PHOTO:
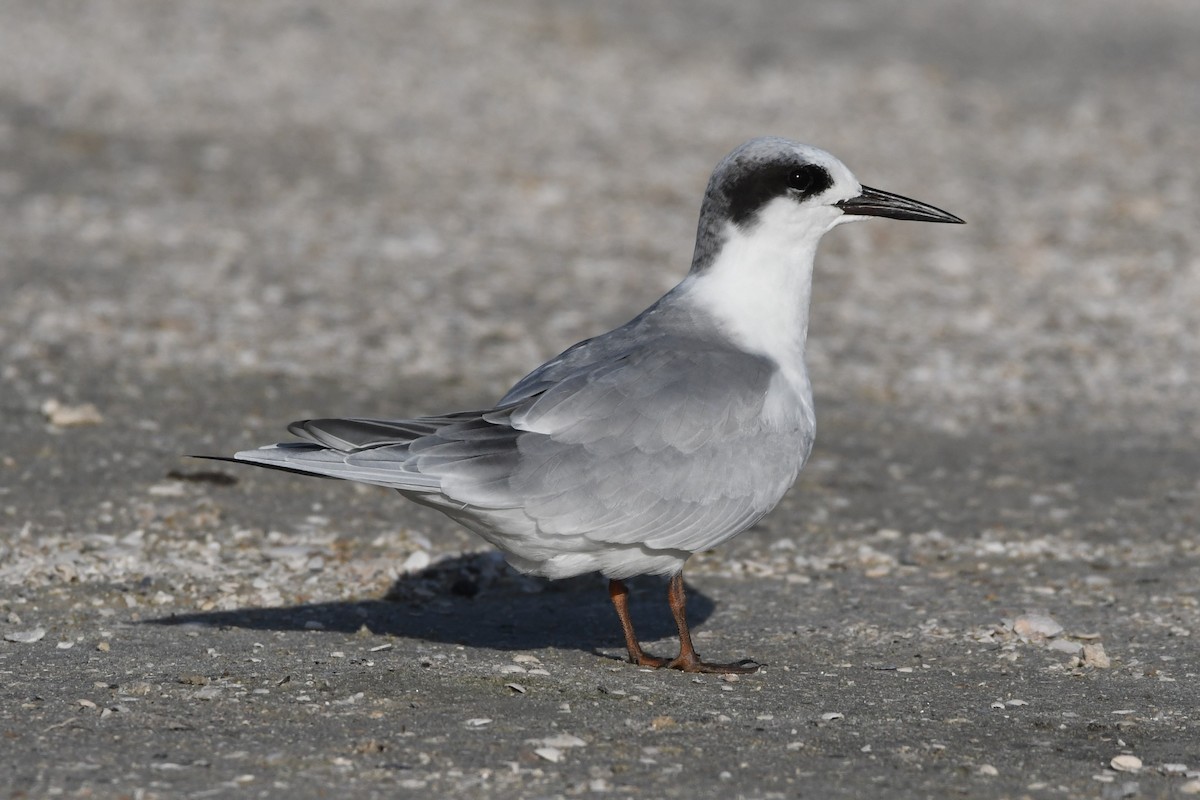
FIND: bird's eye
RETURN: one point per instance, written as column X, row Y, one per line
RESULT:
column 802, row 178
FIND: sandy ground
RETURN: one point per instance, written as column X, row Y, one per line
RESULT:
column 219, row 217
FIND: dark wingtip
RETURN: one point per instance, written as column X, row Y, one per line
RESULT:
column 276, row 467
column 301, row 428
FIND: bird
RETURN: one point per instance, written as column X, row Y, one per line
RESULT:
column 631, row 451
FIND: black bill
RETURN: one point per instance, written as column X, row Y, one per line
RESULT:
column 877, row 203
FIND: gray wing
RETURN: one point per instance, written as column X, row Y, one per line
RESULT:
column 664, row 445
column 661, row 321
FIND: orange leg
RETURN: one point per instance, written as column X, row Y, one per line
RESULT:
column 619, row 593
column 687, row 660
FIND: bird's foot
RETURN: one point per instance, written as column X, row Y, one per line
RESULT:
column 644, row 660
column 692, row 663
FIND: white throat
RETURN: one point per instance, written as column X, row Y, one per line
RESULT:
column 757, row 290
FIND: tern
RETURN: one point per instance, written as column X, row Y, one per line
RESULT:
column 631, row 451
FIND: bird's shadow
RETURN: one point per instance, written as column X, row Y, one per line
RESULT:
column 476, row 600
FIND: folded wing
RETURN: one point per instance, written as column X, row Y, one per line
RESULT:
column 636, row 448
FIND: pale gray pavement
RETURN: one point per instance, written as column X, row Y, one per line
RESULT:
column 219, row 217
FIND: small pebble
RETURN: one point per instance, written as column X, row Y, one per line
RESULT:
column 516, row 687
column 1094, row 656
column 478, row 722
column 828, row 716
column 1191, row 787
column 1066, row 646
column 988, row 770
column 195, row 680
column 1126, row 763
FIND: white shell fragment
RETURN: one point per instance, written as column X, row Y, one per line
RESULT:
column 416, row 562
column 1036, row 626
column 61, row 415
column 562, row 740
column 26, row 637
column 1126, row 763
column 551, row 754
column 525, row 658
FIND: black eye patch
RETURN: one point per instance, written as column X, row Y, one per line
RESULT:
column 804, row 178
column 758, row 186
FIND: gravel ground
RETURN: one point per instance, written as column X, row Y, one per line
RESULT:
column 219, row 217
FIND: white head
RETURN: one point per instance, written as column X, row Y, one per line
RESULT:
column 766, row 207
column 800, row 190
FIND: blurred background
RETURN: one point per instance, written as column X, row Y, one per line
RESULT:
column 388, row 194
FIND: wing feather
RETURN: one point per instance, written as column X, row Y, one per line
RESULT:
column 663, row 445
